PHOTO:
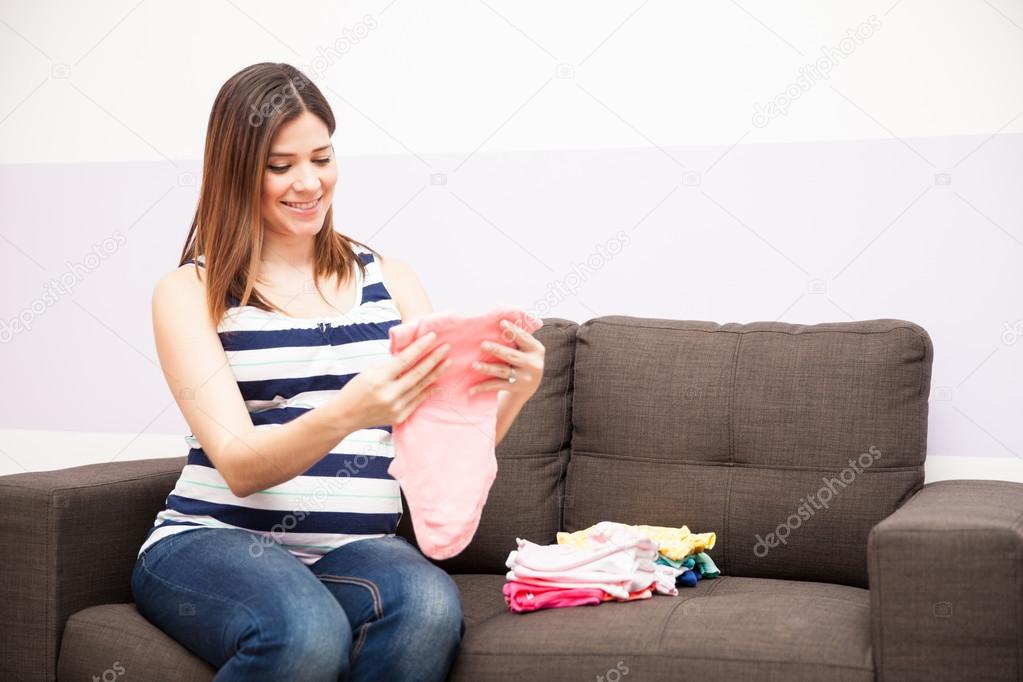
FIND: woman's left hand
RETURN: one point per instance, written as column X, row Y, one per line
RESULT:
column 526, row 359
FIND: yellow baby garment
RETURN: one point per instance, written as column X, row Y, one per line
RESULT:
column 673, row 543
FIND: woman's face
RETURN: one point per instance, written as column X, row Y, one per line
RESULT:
column 299, row 178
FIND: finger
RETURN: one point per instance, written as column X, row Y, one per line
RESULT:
column 518, row 335
column 425, row 382
column 408, row 355
column 492, row 385
column 492, row 368
column 423, row 367
column 411, row 407
column 511, row 355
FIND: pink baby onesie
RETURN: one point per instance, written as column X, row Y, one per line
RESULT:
column 444, row 451
column 521, row 597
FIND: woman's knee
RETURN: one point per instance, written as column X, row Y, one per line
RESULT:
column 308, row 636
column 430, row 601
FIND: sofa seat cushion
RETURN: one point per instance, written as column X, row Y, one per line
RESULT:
column 98, row 638
column 729, row 628
column 115, row 642
column 722, row 629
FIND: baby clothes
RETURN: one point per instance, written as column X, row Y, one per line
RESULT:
column 699, row 562
column 615, row 589
column 633, row 596
column 680, row 559
column 706, row 566
column 673, row 543
column 614, row 556
column 687, row 578
column 678, row 543
column 688, row 562
column 522, row 597
column 626, row 563
column 444, row 451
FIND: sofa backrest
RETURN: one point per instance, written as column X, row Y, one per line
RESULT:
column 789, row 441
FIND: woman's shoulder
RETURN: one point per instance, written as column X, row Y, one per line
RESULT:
column 405, row 287
column 188, row 272
column 184, row 284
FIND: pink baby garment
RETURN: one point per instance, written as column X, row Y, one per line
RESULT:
column 444, row 451
column 521, row 597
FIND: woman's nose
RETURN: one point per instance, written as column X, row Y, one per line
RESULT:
column 307, row 180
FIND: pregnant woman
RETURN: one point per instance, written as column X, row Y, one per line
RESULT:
column 276, row 556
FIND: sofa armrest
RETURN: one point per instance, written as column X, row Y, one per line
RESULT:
column 946, row 584
column 68, row 540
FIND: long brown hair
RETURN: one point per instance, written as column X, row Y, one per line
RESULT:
column 227, row 229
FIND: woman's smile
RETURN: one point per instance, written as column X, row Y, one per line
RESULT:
column 307, row 208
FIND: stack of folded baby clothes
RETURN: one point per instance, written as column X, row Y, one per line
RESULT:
column 684, row 551
column 614, row 562
column 606, row 562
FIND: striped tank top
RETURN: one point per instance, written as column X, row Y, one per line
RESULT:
column 286, row 366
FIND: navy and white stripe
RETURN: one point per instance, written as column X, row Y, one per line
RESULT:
column 286, row 366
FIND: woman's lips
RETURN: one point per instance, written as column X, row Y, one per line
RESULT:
column 303, row 211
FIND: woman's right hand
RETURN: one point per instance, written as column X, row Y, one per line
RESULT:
column 388, row 392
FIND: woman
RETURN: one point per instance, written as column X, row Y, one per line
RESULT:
column 276, row 556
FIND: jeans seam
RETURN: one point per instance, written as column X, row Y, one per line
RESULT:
column 360, row 641
column 378, row 605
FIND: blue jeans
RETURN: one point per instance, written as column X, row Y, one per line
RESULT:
column 374, row 609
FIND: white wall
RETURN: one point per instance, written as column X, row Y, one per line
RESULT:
column 446, row 77
column 500, row 144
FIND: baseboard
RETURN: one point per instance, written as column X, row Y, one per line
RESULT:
column 23, row 450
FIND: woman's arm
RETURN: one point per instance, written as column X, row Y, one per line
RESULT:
column 405, row 288
column 508, row 407
column 197, row 371
column 526, row 359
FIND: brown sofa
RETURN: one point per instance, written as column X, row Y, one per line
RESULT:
column 737, row 428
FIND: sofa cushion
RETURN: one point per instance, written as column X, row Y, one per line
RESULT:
column 115, row 642
column 525, row 499
column 726, row 628
column 723, row 629
column 790, row 441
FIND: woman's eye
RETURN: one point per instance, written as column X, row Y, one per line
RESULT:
column 281, row 169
